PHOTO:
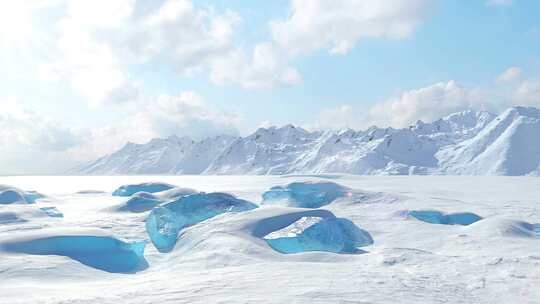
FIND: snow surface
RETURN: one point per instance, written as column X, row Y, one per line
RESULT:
column 226, row 258
column 464, row 143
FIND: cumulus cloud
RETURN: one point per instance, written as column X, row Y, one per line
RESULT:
column 97, row 44
column 35, row 144
column 510, row 75
column 339, row 25
column 266, row 68
column 527, row 93
column 426, row 104
column 186, row 114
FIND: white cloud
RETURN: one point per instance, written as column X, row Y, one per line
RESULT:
column 35, row 144
column 426, row 104
column 510, row 75
column 340, row 24
column 32, row 143
column 527, row 93
column 499, row 2
column 186, row 114
column 267, row 68
column 98, row 43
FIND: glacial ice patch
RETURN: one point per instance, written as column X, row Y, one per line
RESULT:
column 101, row 252
column 337, row 235
column 140, row 202
column 305, row 194
column 145, row 201
column 164, row 223
column 52, row 211
column 129, row 190
column 437, row 217
column 10, row 195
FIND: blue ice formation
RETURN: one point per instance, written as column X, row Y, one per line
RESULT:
column 305, row 194
column 536, row 228
column 165, row 223
column 336, row 235
column 144, row 201
column 129, row 190
column 52, row 211
column 436, row 217
column 10, row 195
column 175, row 193
column 140, row 202
column 10, row 217
column 100, row 252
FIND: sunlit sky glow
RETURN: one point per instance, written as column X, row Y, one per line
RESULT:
column 81, row 78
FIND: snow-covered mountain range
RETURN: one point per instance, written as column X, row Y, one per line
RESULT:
column 464, row 143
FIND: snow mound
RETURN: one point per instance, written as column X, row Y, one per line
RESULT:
column 506, row 227
column 175, row 193
column 98, row 251
column 305, row 194
column 336, row 235
column 129, row 190
column 140, row 202
column 437, row 217
column 144, row 201
column 22, row 213
column 164, row 223
column 10, row 195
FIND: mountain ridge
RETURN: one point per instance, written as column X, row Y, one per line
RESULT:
column 462, row 143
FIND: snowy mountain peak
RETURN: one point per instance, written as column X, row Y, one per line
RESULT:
column 466, row 142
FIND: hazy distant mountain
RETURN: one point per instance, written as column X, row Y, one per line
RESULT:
column 469, row 142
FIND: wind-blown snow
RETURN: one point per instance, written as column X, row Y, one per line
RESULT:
column 467, row 143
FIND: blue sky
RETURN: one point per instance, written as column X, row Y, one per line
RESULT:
column 83, row 77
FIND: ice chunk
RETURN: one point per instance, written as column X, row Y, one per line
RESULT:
column 129, row 190
column 164, row 223
column 10, row 195
column 144, row 201
column 52, row 211
column 10, row 217
column 140, row 202
column 436, row 217
column 305, row 194
column 101, row 252
column 175, row 193
column 336, row 235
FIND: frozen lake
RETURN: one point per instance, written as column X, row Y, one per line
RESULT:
column 414, row 258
